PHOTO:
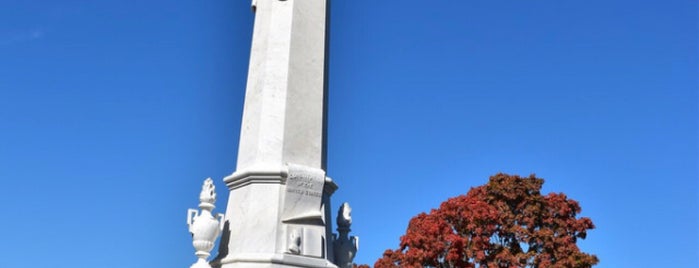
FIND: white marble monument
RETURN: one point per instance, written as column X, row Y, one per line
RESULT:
column 278, row 212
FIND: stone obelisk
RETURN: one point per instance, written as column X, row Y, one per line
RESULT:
column 278, row 212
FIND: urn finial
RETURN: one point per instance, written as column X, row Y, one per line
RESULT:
column 344, row 216
column 345, row 246
column 203, row 226
column 207, row 197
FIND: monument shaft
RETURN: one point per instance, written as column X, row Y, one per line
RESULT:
column 285, row 96
column 278, row 208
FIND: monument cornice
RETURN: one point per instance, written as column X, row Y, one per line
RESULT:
column 267, row 174
column 240, row 178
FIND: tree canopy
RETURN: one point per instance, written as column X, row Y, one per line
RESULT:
column 504, row 223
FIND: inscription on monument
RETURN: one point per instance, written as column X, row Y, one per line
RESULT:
column 304, row 193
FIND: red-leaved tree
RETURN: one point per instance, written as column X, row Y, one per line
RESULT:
column 504, row 223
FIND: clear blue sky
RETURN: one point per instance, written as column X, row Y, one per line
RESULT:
column 113, row 112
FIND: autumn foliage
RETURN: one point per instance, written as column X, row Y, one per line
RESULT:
column 504, row 223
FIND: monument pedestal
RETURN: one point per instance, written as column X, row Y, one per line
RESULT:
column 287, row 223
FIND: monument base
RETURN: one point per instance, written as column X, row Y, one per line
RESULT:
column 271, row 261
column 277, row 217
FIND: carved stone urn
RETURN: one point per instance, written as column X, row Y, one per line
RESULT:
column 345, row 246
column 203, row 226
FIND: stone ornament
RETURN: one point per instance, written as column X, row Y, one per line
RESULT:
column 345, row 247
column 203, row 226
column 295, row 242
